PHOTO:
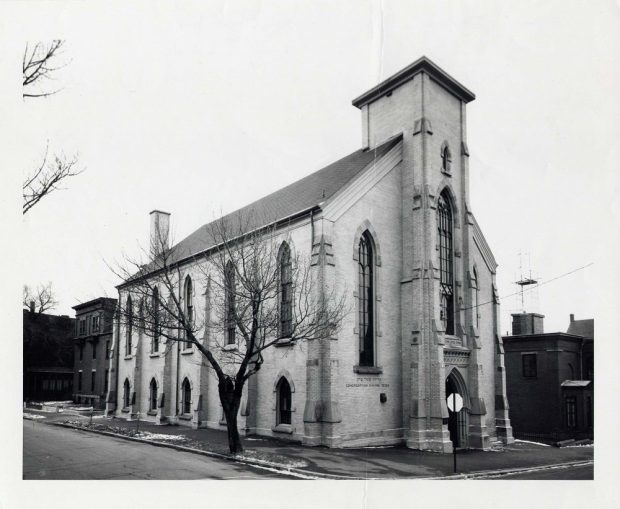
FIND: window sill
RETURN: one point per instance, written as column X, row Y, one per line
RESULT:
column 128, row 357
column 189, row 351
column 185, row 417
column 283, row 342
column 152, row 412
column 154, row 354
column 283, row 428
column 125, row 410
column 229, row 348
column 368, row 370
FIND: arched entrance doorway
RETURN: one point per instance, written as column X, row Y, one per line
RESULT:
column 457, row 421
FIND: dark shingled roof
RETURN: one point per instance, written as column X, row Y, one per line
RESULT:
column 583, row 328
column 298, row 197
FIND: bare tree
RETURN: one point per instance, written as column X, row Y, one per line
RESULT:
column 39, row 65
column 41, row 298
column 256, row 296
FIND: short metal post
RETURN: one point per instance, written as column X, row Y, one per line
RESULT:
column 138, row 423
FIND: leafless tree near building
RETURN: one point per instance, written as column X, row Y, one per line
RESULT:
column 39, row 299
column 247, row 308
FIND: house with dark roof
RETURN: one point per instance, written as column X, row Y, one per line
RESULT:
column 550, row 379
column 391, row 227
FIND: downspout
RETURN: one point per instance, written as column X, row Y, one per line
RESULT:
column 176, row 396
column 117, row 349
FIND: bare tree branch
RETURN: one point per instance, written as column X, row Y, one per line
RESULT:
column 42, row 298
column 46, row 178
column 39, row 64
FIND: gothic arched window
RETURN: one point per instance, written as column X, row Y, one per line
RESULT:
column 126, row 394
column 188, row 295
column 186, row 396
column 155, row 317
column 283, row 410
column 446, row 263
column 229, row 287
column 286, row 291
column 153, row 395
column 366, row 298
column 129, row 326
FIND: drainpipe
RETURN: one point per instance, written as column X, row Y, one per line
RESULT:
column 176, row 396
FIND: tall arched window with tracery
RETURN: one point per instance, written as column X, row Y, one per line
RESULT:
column 286, row 291
column 188, row 295
column 229, row 296
column 128, row 325
column 446, row 263
column 155, row 309
column 366, row 300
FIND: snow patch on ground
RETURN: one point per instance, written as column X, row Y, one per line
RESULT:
column 146, row 435
column 33, row 417
column 529, row 442
column 271, row 460
column 578, row 445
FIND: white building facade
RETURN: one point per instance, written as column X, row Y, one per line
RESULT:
column 391, row 227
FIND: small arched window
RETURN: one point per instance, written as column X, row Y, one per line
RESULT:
column 153, row 395
column 229, row 291
column 446, row 263
column 286, row 291
column 446, row 158
column 366, row 300
column 186, row 396
column 283, row 409
column 188, row 295
column 126, row 394
column 156, row 320
column 129, row 326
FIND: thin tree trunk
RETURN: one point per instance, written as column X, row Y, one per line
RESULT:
column 231, row 401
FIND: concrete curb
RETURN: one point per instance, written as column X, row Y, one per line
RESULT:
column 309, row 474
column 297, row 472
column 490, row 474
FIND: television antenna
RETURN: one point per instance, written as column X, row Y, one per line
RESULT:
column 524, row 280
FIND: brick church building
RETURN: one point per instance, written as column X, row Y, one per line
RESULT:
column 391, row 225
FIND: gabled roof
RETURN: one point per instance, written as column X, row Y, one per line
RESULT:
column 422, row 64
column 295, row 199
column 583, row 328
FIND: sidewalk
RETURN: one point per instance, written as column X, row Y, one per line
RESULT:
column 360, row 463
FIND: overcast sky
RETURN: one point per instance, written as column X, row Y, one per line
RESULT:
column 200, row 109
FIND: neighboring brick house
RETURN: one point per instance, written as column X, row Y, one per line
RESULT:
column 47, row 359
column 92, row 350
column 550, row 379
column 391, row 222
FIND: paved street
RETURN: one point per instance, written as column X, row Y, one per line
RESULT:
column 59, row 453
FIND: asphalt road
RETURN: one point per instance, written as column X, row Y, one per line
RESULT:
column 59, row 453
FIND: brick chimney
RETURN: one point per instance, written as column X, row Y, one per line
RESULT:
column 527, row 323
column 160, row 230
column 32, row 306
column 572, row 318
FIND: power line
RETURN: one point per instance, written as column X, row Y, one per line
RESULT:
column 533, row 287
